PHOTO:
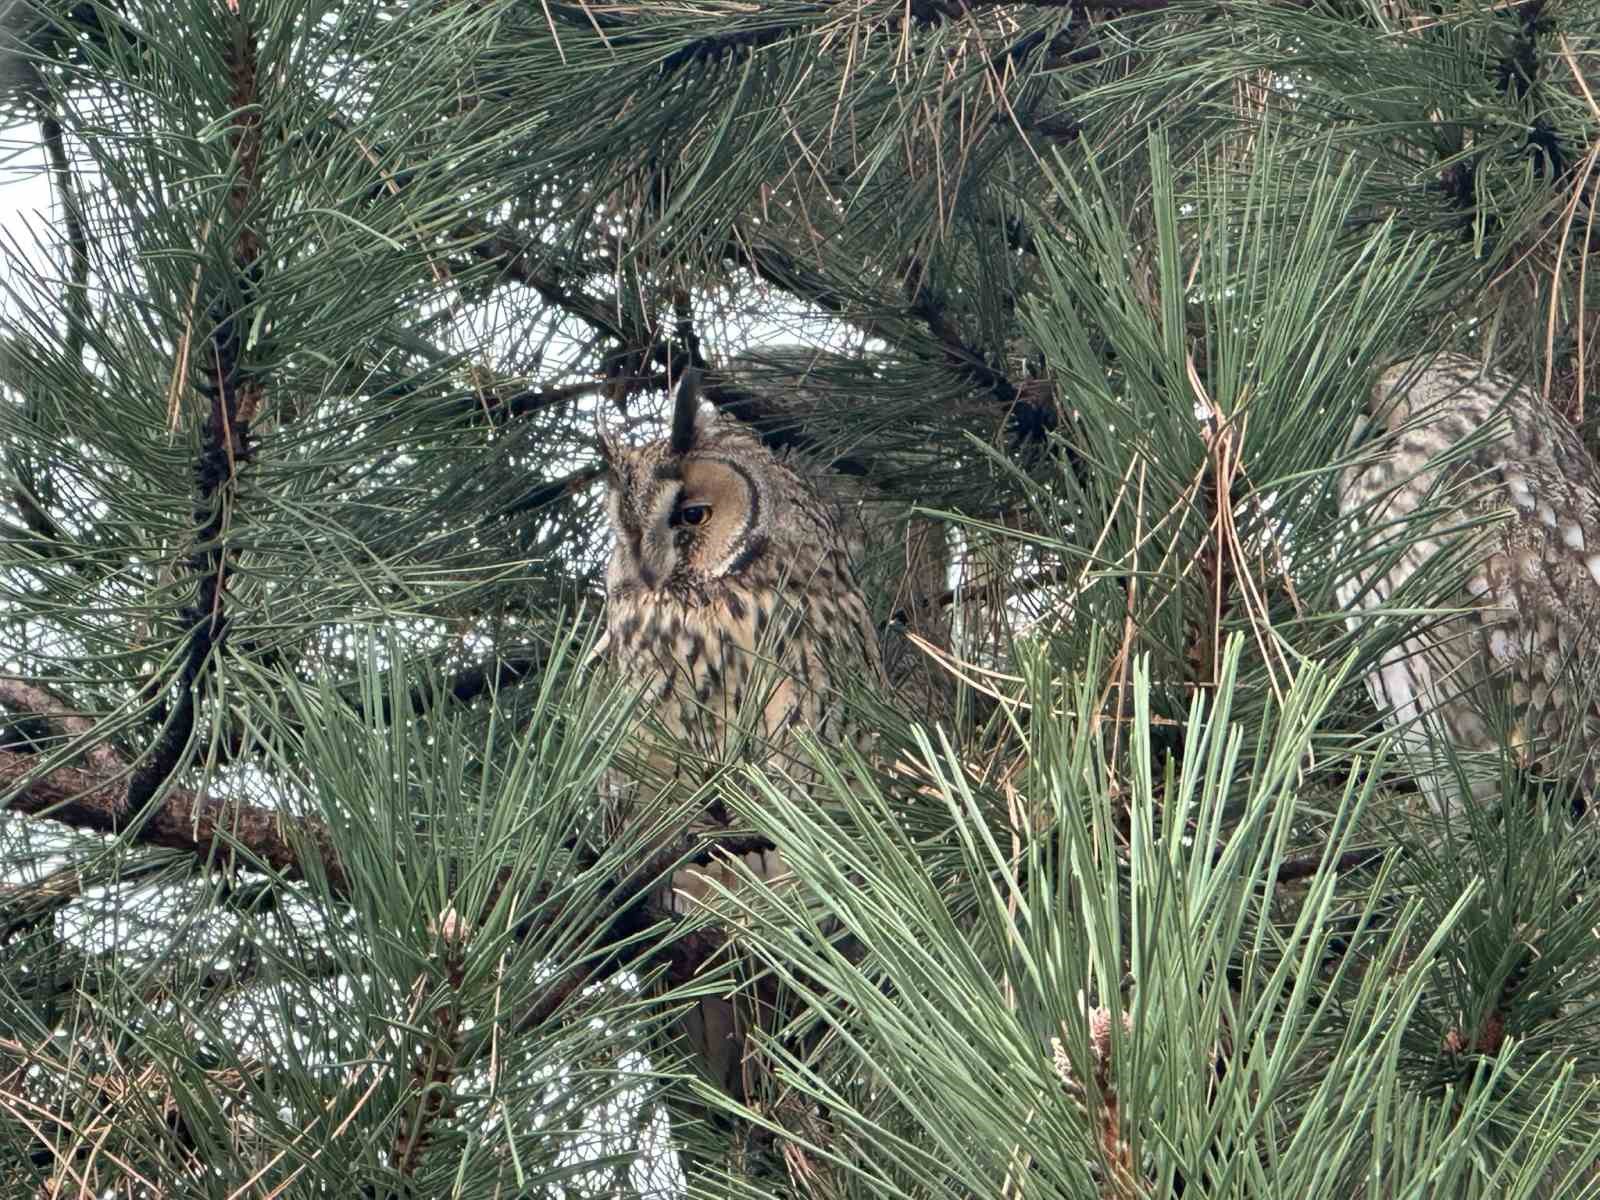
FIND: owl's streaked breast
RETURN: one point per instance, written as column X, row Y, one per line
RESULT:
column 740, row 667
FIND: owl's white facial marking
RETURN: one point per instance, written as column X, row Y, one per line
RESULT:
column 658, row 548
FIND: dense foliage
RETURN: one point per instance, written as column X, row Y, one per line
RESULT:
column 1074, row 303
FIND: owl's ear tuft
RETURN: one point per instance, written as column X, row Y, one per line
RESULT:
column 685, row 411
column 609, row 441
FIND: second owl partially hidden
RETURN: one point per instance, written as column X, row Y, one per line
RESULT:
column 733, row 611
column 1483, row 508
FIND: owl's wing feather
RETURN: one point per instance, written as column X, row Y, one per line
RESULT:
column 1514, row 500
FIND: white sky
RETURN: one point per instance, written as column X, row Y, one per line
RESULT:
column 24, row 197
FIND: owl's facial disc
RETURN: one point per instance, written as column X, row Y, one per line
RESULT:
column 722, row 494
column 701, row 522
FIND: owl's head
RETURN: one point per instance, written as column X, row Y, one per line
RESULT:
column 695, row 507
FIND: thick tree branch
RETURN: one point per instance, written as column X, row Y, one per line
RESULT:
column 182, row 820
column 208, row 828
column 25, row 700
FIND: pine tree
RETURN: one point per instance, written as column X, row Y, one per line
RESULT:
column 303, row 889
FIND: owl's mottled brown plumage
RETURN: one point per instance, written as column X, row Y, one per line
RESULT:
column 1514, row 502
column 732, row 607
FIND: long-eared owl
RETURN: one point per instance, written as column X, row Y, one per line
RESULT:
column 732, row 607
column 1482, row 480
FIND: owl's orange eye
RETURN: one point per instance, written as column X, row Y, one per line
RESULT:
column 692, row 514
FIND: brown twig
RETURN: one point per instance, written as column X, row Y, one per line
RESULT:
column 438, row 1058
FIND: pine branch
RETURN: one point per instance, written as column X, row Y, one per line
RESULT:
column 38, row 521
column 557, row 995
column 714, row 48
column 469, row 684
column 549, row 493
column 24, row 492
column 973, row 590
column 207, row 827
column 1123, row 6
column 638, row 345
column 95, row 800
column 31, row 904
column 959, row 355
column 532, row 400
column 1031, row 404
column 25, row 700
column 779, row 431
column 501, row 249
column 778, row 268
column 634, row 913
column 193, row 822
column 92, row 800
column 619, row 31
column 464, row 687
column 77, row 242
column 234, row 395
column 1291, row 870
column 437, row 1064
